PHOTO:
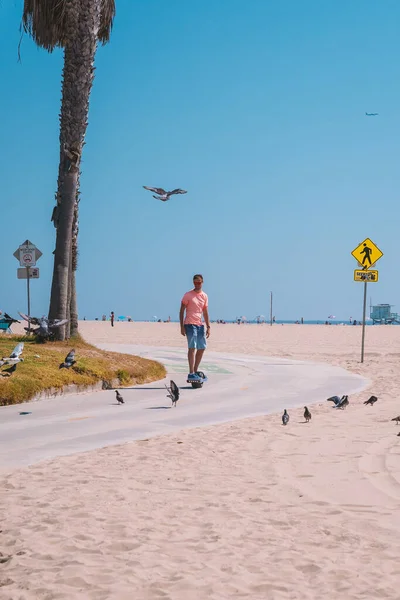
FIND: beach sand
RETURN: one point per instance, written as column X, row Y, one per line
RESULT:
column 248, row 509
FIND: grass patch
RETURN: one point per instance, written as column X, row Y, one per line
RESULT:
column 40, row 370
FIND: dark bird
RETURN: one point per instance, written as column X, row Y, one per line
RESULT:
column 343, row 402
column 398, row 433
column 335, row 399
column 69, row 360
column 10, row 319
column 307, row 414
column 120, row 399
column 45, row 326
column 371, row 401
column 14, row 357
column 8, row 372
column 397, row 419
column 162, row 194
column 371, row 114
column 173, row 392
column 285, row 417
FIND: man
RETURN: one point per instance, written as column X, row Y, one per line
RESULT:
column 195, row 303
column 112, row 317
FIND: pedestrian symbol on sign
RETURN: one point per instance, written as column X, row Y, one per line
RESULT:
column 367, row 251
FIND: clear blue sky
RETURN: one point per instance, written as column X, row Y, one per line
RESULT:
column 258, row 110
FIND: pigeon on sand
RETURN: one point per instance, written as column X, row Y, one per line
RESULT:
column 120, row 399
column 343, row 403
column 307, row 414
column 397, row 419
column 371, row 401
column 335, row 399
column 285, row 417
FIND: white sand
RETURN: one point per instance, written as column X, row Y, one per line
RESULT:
column 243, row 510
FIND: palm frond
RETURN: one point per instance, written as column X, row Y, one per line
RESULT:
column 46, row 21
column 107, row 15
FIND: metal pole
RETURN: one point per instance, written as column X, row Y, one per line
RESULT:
column 29, row 297
column 270, row 313
column 363, row 323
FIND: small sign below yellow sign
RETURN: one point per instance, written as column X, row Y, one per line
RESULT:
column 362, row 275
column 367, row 253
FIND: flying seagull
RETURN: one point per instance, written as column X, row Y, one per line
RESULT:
column 173, row 392
column 285, row 417
column 120, row 399
column 307, row 414
column 371, row 114
column 45, row 326
column 162, row 194
column 371, row 401
column 69, row 360
column 14, row 357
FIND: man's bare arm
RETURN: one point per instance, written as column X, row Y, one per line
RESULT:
column 207, row 320
column 181, row 318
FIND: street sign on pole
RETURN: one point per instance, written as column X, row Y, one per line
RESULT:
column 22, row 273
column 362, row 275
column 28, row 254
column 366, row 254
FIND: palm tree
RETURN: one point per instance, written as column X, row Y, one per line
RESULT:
column 76, row 26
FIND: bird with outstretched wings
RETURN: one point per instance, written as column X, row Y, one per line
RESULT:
column 69, row 360
column 15, row 356
column 162, row 194
column 44, row 325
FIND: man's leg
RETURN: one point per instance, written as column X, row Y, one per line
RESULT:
column 197, row 361
column 191, row 357
column 201, row 346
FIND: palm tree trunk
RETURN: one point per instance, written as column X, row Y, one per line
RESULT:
column 74, row 308
column 73, row 300
column 82, row 24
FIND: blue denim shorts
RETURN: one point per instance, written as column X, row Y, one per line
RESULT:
column 196, row 337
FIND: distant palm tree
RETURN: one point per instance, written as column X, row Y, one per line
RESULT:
column 76, row 26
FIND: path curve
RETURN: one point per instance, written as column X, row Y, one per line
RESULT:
column 239, row 386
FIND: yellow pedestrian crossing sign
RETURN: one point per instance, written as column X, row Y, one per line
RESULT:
column 362, row 275
column 367, row 253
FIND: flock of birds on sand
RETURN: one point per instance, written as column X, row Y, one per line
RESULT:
column 11, row 362
column 340, row 403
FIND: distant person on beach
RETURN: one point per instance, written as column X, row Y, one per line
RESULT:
column 112, row 317
column 195, row 304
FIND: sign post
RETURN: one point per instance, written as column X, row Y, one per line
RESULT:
column 270, row 311
column 366, row 254
column 28, row 254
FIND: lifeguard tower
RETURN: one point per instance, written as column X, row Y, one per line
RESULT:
column 383, row 315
